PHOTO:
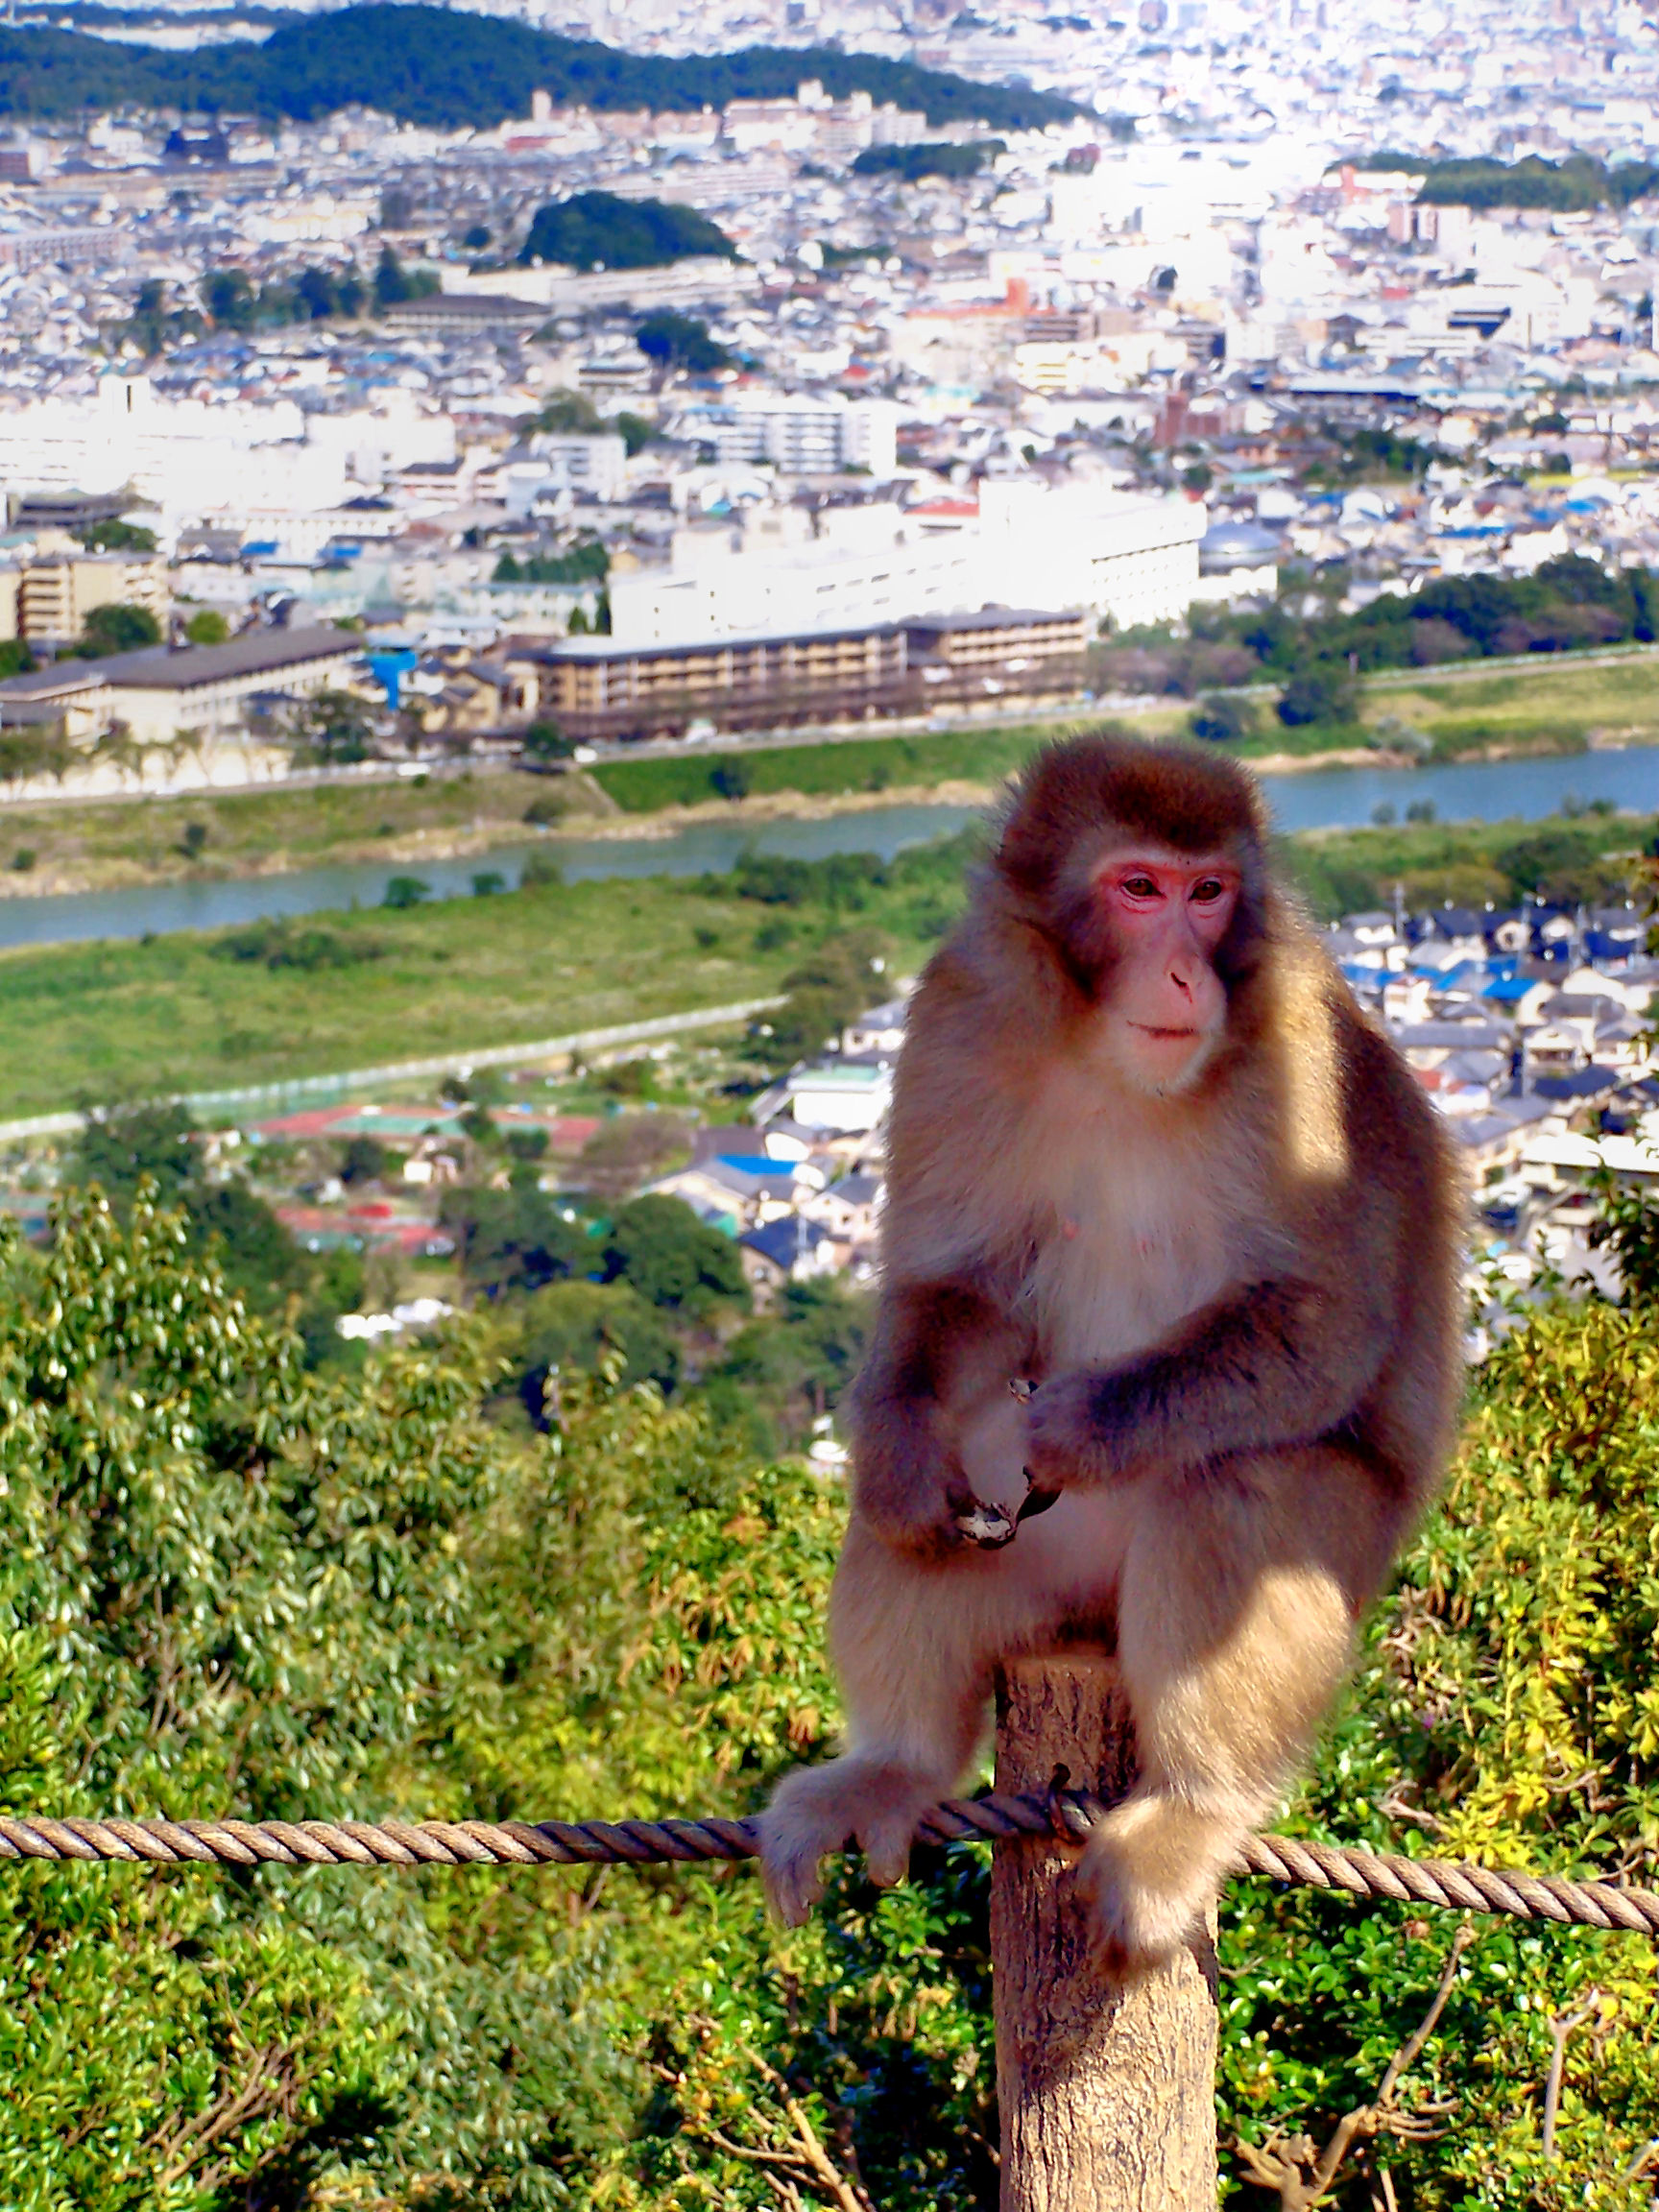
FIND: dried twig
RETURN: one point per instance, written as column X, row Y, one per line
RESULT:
column 804, row 2162
column 1561, row 2025
column 1301, row 2173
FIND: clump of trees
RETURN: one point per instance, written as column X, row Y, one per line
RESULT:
column 1320, row 658
column 676, row 341
column 598, row 231
column 313, row 292
column 429, row 65
column 586, row 560
column 1594, row 859
column 1577, row 183
column 944, row 157
column 116, row 628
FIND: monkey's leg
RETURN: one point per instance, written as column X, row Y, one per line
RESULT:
column 1241, row 1585
column 911, row 1646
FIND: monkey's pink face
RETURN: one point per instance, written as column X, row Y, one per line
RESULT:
column 1165, row 914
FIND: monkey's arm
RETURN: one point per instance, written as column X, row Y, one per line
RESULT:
column 939, row 1349
column 1282, row 1364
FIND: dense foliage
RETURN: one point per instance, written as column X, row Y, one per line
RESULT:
column 1569, row 601
column 1319, row 654
column 234, row 1587
column 1577, row 183
column 134, row 1149
column 598, row 231
column 442, row 68
column 1590, row 858
column 676, row 341
column 942, row 158
column 585, row 562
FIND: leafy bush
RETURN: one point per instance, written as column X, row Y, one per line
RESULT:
column 1319, row 691
column 1221, row 720
column 282, row 943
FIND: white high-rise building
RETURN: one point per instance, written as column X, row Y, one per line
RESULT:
column 1119, row 555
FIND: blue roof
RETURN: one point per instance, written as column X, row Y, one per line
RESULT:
column 758, row 1163
column 779, row 1242
column 1509, row 990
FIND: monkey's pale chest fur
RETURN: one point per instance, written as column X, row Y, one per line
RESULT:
column 1136, row 1221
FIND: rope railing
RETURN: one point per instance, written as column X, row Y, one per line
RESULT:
column 1067, row 1816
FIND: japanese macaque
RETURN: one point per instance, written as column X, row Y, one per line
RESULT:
column 1168, row 1358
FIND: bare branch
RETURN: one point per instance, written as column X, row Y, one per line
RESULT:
column 1561, row 2025
column 1408, row 2053
column 1304, row 2177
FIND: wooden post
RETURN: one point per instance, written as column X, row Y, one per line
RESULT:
column 1107, row 2092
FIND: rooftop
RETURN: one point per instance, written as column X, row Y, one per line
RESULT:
column 164, row 668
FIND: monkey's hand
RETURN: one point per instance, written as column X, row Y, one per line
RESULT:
column 912, row 1491
column 1071, row 1440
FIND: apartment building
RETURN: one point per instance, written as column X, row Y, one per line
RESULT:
column 803, row 437
column 57, row 592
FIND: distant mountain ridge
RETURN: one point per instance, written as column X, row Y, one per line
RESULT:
column 444, row 69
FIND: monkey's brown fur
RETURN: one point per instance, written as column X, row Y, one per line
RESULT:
column 1239, row 1300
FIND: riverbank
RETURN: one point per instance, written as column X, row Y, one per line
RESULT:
column 208, row 837
column 1563, row 707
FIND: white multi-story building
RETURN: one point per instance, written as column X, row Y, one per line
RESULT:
column 552, row 463
column 192, row 459
column 801, row 436
column 1121, row 556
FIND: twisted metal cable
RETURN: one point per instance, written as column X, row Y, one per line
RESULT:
column 1067, row 1816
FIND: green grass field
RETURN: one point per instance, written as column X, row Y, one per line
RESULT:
column 1557, row 707
column 115, row 1018
column 819, row 771
column 90, row 1022
column 83, row 1023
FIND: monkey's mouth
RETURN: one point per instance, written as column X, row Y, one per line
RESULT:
column 1163, row 1036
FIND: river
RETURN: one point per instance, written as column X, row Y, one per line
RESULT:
column 1326, row 798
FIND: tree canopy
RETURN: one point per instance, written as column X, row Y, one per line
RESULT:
column 445, row 68
column 598, row 231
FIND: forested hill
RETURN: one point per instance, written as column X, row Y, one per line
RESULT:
column 442, row 68
column 1576, row 184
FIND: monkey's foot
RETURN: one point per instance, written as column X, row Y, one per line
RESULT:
column 876, row 1803
column 1147, row 1875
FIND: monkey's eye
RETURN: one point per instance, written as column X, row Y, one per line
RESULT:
column 1140, row 886
column 1207, row 890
